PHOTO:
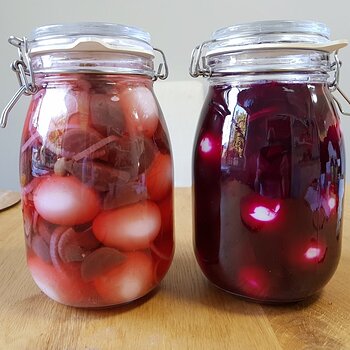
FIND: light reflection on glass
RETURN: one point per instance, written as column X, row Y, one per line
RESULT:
column 264, row 214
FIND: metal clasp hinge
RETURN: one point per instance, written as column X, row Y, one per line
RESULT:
column 334, row 85
column 198, row 65
column 24, row 71
column 163, row 70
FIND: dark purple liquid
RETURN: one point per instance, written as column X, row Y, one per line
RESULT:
column 268, row 190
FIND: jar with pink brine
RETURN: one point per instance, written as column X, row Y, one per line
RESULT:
column 268, row 160
column 96, row 168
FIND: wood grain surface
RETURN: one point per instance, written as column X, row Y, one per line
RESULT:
column 8, row 198
column 185, row 312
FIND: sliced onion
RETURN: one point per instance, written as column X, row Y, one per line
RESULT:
column 124, row 194
column 95, row 147
column 76, row 140
column 41, row 248
column 44, row 229
column 73, row 246
column 100, row 261
column 30, row 141
column 55, row 257
column 97, row 174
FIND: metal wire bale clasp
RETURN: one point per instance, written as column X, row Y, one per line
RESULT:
column 334, row 85
column 24, row 72
column 198, row 65
column 162, row 67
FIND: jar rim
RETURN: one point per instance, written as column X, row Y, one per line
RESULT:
column 318, row 31
column 270, row 34
column 89, row 28
column 90, row 36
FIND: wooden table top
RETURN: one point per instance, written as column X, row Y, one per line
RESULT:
column 186, row 312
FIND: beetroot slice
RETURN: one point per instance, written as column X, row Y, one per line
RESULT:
column 44, row 229
column 31, row 140
column 96, row 150
column 147, row 156
column 106, row 114
column 96, row 174
column 55, row 237
column 87, row 240
column 75, row 140
column 161, row 138
column 68, row 247
column 124, row 194
column 99, row 262
column 73, row 246
column 125, row 154
column 41, row 248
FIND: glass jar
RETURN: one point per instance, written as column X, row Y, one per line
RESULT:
column 268, row 161
column 95, row 164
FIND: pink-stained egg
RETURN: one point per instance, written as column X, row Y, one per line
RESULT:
column 65, row 201
column 206, row 145
column 130, row 227
column 63, row 288
column 209, row 147
column 127, row 281
column 159, row 177
column 140, row 110
column 307, row 254
column 264, row 214
column 253, row 281
column 258, row 211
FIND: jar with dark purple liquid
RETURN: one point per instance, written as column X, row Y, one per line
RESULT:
column 268, row 162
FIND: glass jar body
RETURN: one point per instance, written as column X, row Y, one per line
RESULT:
column 97, row 188
column 268, row 177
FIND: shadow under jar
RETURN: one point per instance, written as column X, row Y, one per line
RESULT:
column 95, row 166
column 268, row 161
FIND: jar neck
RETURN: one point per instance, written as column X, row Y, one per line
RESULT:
column 261, row 78
column 289, row 65
column 87, row 81
column 93, row 62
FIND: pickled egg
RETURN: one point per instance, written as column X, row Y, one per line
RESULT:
column 166, row 207
column 140, row 110
column 63, row 288
column 128, row 281
column 65, row 201
column 159, row 177
column 307, row 254
column 130, row 227
column 253, row 281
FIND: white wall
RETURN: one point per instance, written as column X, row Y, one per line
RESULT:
column 176, row 27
